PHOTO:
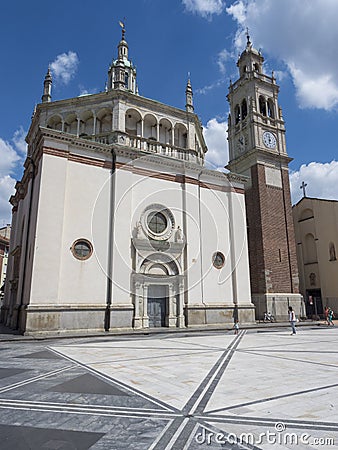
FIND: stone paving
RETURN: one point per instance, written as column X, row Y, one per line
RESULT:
column 260, row 389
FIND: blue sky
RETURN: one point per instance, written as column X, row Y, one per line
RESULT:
column 167, row 39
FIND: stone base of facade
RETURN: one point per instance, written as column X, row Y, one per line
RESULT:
column 214, row 314
column 71, row 318
column 84, row 319
column 277, row 304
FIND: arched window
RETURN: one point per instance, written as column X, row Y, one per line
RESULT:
column 332, row 252
column 244, row 109
column 306, row 214
column 262, row 105
column 271, row 111
column 237, row 114
column 133, row 122
column 256, row 67
column 126, row 80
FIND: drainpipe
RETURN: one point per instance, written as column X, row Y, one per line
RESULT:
column 110, row 243
column 201, row 244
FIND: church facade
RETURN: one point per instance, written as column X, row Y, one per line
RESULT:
column 117, row 224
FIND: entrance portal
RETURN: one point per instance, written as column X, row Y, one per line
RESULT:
column 157, row 305
column 314, row 304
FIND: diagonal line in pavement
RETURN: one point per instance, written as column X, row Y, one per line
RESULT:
column 99, row 410
column 37, row 378
column 271, row 422
column 252, row 352
column 269, row 399
column 119, row 383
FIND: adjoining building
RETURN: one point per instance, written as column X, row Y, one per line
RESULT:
column 5, row 233
column 316, row 230
column 117, row 224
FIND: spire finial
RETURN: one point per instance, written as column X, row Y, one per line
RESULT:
column 47, row 87
column 122, row 25
column 189, row 106
column 248, row 42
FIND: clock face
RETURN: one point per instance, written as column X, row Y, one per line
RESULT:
column 269, row 139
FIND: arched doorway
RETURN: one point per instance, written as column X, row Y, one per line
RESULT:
column 158, row 290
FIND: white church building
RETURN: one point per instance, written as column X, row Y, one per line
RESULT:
column 118, row 224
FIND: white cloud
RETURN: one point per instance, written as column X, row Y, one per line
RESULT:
column 209, row 87
column 321, row 180
column 65, row 66
column 223, row 57
column 84, row 91
column 11, row 158
column 238, row 11
column 205, row 8
column 19, row 141
column 215, row 136
column 301, row 34
column 7, row 184
column 321, row 92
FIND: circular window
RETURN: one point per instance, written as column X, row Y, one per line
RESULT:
column 218, row 260
column 157, row 222
column 82, row 249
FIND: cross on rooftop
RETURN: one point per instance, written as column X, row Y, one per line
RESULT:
column 303, row 186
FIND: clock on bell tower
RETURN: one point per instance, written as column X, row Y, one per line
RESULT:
column 257, row 149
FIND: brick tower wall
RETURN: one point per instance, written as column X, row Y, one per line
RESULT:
column 272, row 250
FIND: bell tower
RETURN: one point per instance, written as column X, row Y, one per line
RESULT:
column 257, row 149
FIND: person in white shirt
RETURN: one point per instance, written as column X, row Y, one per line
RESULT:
column 292, row 319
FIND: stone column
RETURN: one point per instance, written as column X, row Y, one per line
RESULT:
column 180, row 300
column 172, row 316
column 145, row 318
column 157, row 132
column 78, row 127
column 138, row 302
column 94, row 124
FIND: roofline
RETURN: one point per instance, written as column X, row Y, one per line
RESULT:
column 315, row 198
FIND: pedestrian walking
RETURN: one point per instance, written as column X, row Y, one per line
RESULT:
column 326, row 315
column 330, row 318
column 236, row 327
column 292, row 319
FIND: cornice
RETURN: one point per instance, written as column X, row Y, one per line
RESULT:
column 59, row 144
column 257, row 156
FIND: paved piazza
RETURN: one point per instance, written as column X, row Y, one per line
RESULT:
column 261, row 389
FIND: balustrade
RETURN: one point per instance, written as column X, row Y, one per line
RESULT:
column 147, row 145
